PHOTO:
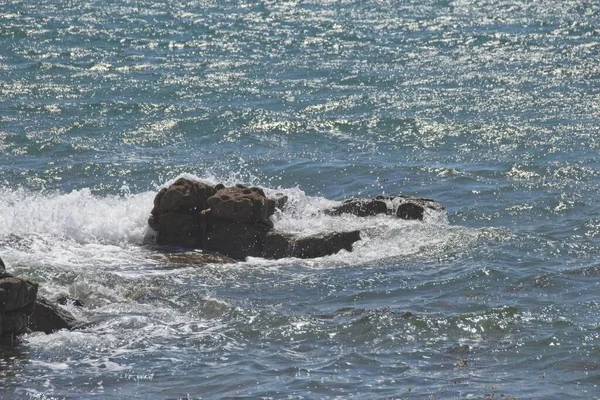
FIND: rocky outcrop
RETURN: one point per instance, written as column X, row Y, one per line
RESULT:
column 22, row 311
column 236, row 221
column 233, row 221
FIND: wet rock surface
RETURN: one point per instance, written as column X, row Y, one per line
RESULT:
column 360, row 207
column 23, row 311
column 48, row 317
column 401, row 206
column 280, row 245
column 236, row 221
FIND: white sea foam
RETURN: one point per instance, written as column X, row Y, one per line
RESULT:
column 82, row 230
column 79, row 216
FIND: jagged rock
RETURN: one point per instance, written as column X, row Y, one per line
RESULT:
column 16, row 293
column 234, row 239
column 414, row 208
column 48, row 318
column 241, row 204
column 360, row 207
column 184, row 194
column 280, row 245
column 2, row 266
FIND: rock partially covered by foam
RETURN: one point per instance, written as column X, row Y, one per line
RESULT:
column 360, row 207
column 236, row 221
column 415, row 208
column 17, row 301
column 48, row 317
column 404, row 207
column 21, row 308
column 233, row 221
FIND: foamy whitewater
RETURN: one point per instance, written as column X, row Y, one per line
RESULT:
column 490, row 108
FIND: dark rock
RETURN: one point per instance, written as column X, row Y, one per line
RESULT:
column 324, row 245
column 9, row 340
column 360, row 207
column 48, row 317
column 4, row 274
column 179, row 228
column 13, row 323
column 184, row 195
column 234, row 239
column 280, row 200
column 64, row 300
column 16, row 293
column 153, row 221
column 241, row 204
column 414, row 208
column 2, row 266
column 280, row 245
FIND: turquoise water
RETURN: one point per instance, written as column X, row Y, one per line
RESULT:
column 491, row 107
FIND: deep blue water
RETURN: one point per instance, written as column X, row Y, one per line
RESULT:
column 490, row 107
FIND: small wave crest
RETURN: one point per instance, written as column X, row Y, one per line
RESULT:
column 79, row 216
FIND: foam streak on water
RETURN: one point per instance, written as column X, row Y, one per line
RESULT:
column 489, row 107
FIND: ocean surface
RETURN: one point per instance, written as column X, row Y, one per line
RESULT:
column 490, row 107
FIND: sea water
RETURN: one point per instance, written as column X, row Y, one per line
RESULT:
column 490, row 107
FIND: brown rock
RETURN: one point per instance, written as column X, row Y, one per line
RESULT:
column 360, row 207
column 324, row 245
column 236, row 240
column 48, row 317
column 414, row 208
column 13, row 323
column 16, row 293
column 241, row 204
column 184, row 195
column 280, row 245
column 179, row 228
